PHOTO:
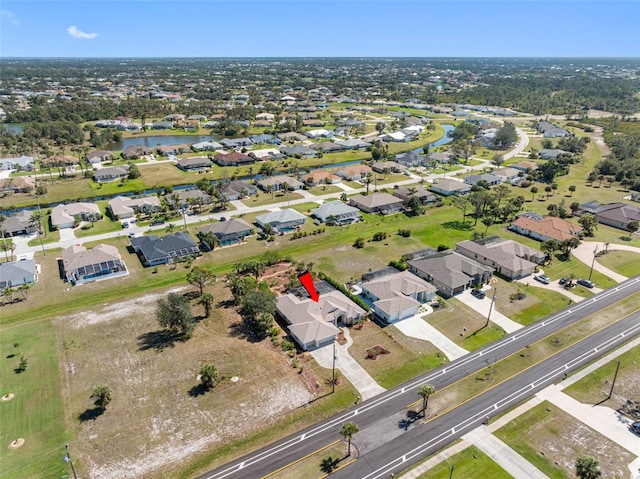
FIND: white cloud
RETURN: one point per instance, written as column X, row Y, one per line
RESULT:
column 75, row 33
column 10, row 16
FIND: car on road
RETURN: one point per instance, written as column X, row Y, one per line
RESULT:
column 542, row 278
column 635, row 427
column 157, row 222
column 478, row 293
column 586, row 283
column 563, row 281
column 125, row 224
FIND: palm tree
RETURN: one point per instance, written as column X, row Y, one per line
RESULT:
column 170, row 227
column 206, row 300
column 101, row 396
column 632, row 227
column 348, row 430
column 425, row 390
column 587, row 468
column 209, row 376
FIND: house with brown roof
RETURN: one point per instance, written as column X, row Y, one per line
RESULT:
column 448, row 187
column 382, row 203
column 525, row 166
column 354, row 172
column 123, row 207
column 173, row 149
column 135, row 151
column 544, row 228
column 320, row 176
column 64, row 216
column 388, row 166
column 18, row 184
column 277, row 183
column 406, row 192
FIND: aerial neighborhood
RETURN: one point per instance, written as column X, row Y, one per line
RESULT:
column 196, row 257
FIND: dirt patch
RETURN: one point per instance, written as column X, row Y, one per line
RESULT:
column 158, row 416
column 375, row 351
column 16, row 443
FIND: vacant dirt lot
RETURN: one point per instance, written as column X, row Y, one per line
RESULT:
column 158, row 415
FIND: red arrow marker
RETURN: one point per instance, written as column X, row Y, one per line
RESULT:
column 307, row 281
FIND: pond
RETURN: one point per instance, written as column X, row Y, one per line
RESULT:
column 442, row 141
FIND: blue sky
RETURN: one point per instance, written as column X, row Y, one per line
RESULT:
column 217, row 28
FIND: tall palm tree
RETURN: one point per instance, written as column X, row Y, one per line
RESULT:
column 348, row 430
column 101, row 396
column 206, row 300
column 425, row 390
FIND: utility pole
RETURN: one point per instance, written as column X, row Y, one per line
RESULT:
column 493, row 299
column 595, row 252
column 67, row 458
column 613, row 383
column 333, row 368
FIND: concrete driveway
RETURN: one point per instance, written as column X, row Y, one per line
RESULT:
column 416, row 327
column 482, row 306
column 349, row 367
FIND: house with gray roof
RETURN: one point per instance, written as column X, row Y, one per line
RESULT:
column 388, row 166
column 508, row 174
column 549, row 130
column 354, row 172
column 508, row 258
column 410, row 159
column 82, row 265
column 450, row 272
column 98, row 156
column 233, row 143
column 194, row 163
column 277, row 183
column 337, row 212
column 282, row 221
column 112, row 173
column 552, row 153
column 237, row 189
column 617, row 214
column 353, row 144
column 406, row 192
column 17, row 273
column 153, row 250
column 64, row 216
column 123, row 207
column 382, row 203
column 327, row 147
column 397, row 295
column 23, row 163
column 315, row 324
column 448, row 187
column 233, row 231
column 186, row 197
column 491, row 180
column 19, row 224
column 302, row 151
column 206, row 146
column 135, row 151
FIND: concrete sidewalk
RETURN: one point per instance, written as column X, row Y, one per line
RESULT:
column 416, row 327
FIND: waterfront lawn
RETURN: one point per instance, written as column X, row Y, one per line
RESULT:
column 36, row 411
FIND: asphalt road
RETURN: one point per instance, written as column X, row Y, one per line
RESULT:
column 386, row 447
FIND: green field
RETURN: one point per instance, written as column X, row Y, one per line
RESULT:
column 470, row 462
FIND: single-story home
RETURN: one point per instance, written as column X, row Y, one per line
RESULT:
column 291, row 136
column 17, row 273
column 337, row 212
column 98, row 156
column 19, row 224
column 410, row 159
column 206, row 146
column 265, row 139
column 266, row 154
column 315, row 324
column 302, row 151
column 123, row 207
column 64, row 216
column 320, row 176
column 508, row 174
column 153, row 250
column 525, row 166
column 618, row 214
column 112, row 173
column 277, row 183
column 237, row 189
column 448, row 187
column 194, row 163
column 232, row 231
column 353, row 144
column 320, row 133
column 382, row 203
column 327, row 147
column 492, row 180
column 18, row 184
column 82, row 265
column 450, row 272
column 396, row 295
column 233, row 159
column 173, row 149
column 354, row 172
column 135, row 151
column 406, row 192
column 388, row 166
column 22, row 163
column 552, row 153
column 233, row 143
column 282, row 221
column 544, row 228
column 508, row 258
column 186, row 197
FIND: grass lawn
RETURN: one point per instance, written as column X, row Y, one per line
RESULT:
column 321, row 190
column 406, row 358
column 596, row 386
column 454, row 316
column 471, row 462
column 51, row 237
column 318, row 464
column 36, row 412
column 537, row 304
column 622, row 262
column 551, row 440
column 262, row 199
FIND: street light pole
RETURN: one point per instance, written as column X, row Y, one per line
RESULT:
column 67, row 458
column 595, row 252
